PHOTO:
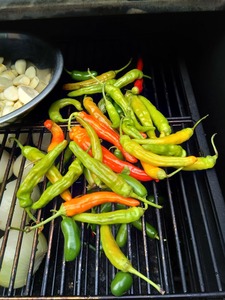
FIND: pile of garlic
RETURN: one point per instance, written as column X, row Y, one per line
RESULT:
column 19, row 83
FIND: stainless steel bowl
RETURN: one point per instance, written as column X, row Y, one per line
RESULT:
column 15, row 46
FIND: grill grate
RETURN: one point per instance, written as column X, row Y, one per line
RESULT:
column 188, row 260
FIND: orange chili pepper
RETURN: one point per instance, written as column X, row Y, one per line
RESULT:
column 57, row 133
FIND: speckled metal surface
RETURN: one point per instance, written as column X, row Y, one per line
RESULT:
column 40, row 9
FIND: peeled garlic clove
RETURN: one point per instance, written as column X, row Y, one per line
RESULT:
column 20, row 66
column 11, row 93
column 30, row 72
column 8, row 74
column 21, row 80
column 2, row 68
column 7, row 109
column 34, row 82
column 1, row 59
column 4, row 83
column 26, row 93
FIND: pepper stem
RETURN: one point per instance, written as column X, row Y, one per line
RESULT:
column 199, row 121
column 58, row 213
column 213, row 144
column 137, row 273
column 174, row 172
column 134, row 195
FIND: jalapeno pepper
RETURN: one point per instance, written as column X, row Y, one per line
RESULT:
column 117, row 257
column 72, row 242
column 149, row 229
column 137, row 186
column 121, row 283
column 54, row 110
column 122, row 235
column 36, row 173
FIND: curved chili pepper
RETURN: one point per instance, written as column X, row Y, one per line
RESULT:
column 111, row 179
column 79, row 135
column 128, row 128
column 36, row 173
column 155, row 172
column 176, row 138
column 122, row 235
column 203, row 163
column 33, row 154
column 94, row 139
column 137, row 186
column 159, row 120
column 117, row 257
column 128, row 78
column 71, row 234
column 123, row 216
column 94, row 111
column 57, row 133
column 85, row 202
column 55, row 107
column 74, row 172
column 142, row 113
column 87, row 90
column 94, row 81
column 153, row 159
column 106, row 134
column 149, row 229
column 81, row 75
column 112, row 112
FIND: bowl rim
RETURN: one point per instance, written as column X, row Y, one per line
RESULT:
column 56, row 74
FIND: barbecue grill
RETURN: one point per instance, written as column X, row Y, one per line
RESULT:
column 188, row 259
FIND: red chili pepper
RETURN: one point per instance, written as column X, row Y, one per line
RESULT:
column 80, row 136
column 57, row 133
column 138, row 84
column 106, row 134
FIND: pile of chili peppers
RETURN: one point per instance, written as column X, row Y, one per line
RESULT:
column 140, row 147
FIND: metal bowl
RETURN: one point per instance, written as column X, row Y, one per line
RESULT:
column 15, row 46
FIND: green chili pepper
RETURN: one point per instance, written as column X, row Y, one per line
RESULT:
column 118, row 154
column 166, row 149
column 137, row 186
column 106, row 207
column 54, row 110
column 116, row 94
column 73, row 173
column 88, row 176
column 81, row 75
column 142, row 113
column 121, row 283
column 36, row 173
column 111, row 179
column 102, row 78
column 129, row 77
column 33, row 154
column 128, row 128
column 117, row 257
column 122, row 234
column 112, row 112
column 159, row 120
column 71, row 234
column 204, row 163
column 128, row 215
column 96, row 147
column 118, row 109
column 149, row 229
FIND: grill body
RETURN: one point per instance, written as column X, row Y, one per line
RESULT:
column 188, row 260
